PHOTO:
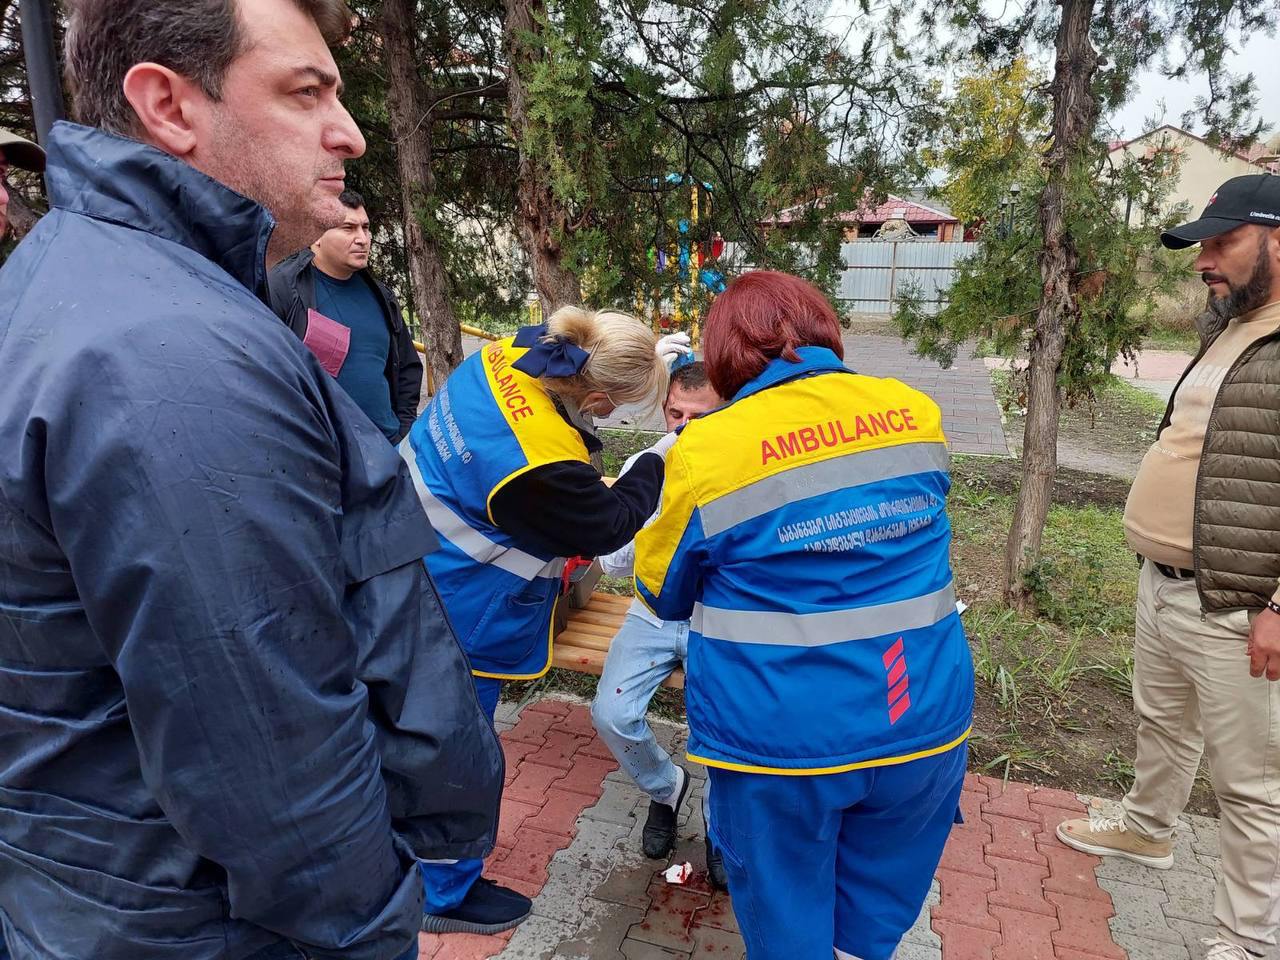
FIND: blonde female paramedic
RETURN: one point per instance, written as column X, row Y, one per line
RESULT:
column 504, row 472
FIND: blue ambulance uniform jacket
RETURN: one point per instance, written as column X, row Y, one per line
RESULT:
column 489, row 424
column 231, row 709
column 803, row 529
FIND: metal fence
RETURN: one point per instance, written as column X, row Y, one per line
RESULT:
column 877, row 271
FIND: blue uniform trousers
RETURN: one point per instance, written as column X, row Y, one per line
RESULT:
column 839, row 861
column 446, row 883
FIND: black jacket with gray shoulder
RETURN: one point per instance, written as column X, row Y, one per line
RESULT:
column 291, row 292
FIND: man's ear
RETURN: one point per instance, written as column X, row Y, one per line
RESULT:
column 162, row 99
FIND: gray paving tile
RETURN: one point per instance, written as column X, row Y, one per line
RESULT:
column 628, row 883
column 918, row 951
column 1207, row 840
column 1190, row 895
column 537, row 938
column 618, row 804
column 1139, row 911
column 1118, row 868
column 600, row 934
column 569, row 884
column 639, row 950
column 1193, row 933
column 720, row 944
column 1142, row 948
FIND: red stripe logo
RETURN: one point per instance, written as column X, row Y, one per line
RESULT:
column 895, row 666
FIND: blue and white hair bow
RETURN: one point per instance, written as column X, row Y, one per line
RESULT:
column 546, row 355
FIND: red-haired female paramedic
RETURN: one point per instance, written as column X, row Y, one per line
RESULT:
column 830, row 688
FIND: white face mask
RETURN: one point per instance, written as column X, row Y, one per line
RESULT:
column 595, row 412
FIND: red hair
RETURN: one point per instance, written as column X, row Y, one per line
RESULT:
column 764, row 315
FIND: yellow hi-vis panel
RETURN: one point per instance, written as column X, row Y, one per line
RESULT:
column 529, row 412
column 767, row 433
column 802, row 422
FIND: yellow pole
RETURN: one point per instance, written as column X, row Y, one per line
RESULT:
column 477, row 332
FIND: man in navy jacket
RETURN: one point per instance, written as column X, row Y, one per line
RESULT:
column 234, row 713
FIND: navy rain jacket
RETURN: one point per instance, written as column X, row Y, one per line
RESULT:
column 231, row 708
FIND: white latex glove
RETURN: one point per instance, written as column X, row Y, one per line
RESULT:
column 672, row 346
column 663, row 445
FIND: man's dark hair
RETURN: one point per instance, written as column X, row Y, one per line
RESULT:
column 692, row 376
column 351, row 199
column 196, row 38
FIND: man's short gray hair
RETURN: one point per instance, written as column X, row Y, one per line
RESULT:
column 196, row 38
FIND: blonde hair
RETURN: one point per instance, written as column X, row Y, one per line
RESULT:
column 623, row 361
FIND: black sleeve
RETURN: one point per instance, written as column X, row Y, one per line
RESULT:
column 567, row 510
column 407, row 388
column 282, row 297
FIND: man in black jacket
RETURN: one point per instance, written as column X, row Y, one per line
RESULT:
column 351, row 321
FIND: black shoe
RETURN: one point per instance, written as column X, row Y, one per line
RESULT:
column 715, row 868
column 659, row 837
column 487, row 908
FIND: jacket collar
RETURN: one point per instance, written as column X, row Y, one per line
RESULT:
column 813, row 360
column 122, row 181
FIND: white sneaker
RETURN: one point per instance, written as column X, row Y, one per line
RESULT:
column 1220, row 949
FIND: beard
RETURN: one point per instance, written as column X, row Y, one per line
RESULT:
column 301, row 209
column 1249, row 296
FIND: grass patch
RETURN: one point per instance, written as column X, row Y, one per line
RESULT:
column 620, row 443
column 1163, row 338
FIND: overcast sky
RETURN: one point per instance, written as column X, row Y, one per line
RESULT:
column 1260, row 56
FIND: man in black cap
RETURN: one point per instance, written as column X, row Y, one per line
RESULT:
column 1204, row 516
column 15, row 151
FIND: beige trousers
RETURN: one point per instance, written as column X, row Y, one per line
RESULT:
column 1193, row 695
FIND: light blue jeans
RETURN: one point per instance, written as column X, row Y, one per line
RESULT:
column 641, row 656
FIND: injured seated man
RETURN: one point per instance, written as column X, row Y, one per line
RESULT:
column 645, row 652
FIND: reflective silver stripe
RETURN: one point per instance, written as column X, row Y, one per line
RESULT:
column 469, row 540
column 825, row 476
column 554, row 568
column 822, row 629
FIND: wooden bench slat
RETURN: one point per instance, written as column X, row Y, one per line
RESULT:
column 598, row 618
column 584, row 660
column 584, row 643
column 609, row 603
column 591, row 641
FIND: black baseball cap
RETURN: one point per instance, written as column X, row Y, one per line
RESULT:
column 1254, row 198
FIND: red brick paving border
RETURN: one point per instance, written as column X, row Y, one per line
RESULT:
column 555, row 769
column 1010, row 889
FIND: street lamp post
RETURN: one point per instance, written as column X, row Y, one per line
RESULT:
column 42, row 66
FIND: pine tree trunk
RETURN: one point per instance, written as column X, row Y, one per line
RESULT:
column 540, row 217
column 412, row 130
column 22, row 217
column 1075, row 114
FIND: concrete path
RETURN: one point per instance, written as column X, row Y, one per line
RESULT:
column 1156, row 371
column 970, row 414
column 1006, row 889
